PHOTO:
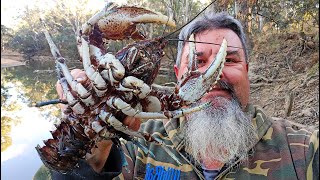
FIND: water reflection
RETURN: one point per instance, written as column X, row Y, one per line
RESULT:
column 24, row 126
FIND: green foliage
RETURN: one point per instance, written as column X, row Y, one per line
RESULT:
column 6, row 36
column 28, row 43
column 290, row 13
column 63, row 21
column 4, row 94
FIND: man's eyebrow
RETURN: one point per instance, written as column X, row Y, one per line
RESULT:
column 230, row 52
column 233, row 52
column 203, row 42
column 199, row 53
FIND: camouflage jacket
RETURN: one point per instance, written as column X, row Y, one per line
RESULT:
column 281, row 152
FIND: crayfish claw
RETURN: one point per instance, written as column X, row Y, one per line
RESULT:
column 194, row 85
column 88, row 26
column 192, row 65
column 121, row 22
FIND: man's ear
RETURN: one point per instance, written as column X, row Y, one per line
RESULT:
column 176, row 70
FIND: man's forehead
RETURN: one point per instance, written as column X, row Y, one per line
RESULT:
column 216, row 36
column 201, row 51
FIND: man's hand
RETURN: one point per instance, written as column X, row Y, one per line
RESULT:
column 100, row 153
column 78, row 75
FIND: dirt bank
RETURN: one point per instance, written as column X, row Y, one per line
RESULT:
column 284, row 75
column 10, row 59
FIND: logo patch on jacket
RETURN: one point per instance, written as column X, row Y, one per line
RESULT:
column 160, row 172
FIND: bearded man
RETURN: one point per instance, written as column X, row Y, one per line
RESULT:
column 231, row 139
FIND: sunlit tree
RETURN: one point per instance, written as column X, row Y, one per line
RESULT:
column 6, row 35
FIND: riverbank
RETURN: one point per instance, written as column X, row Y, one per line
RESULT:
column 11, row 59
column 5, row 62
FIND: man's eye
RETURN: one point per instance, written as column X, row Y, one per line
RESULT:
column 228, row 60
column 200, row 62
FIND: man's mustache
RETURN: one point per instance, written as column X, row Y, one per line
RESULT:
column 224, row 85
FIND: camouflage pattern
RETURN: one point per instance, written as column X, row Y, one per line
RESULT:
column 281, row 152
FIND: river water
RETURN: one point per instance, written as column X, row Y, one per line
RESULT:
column 24, row 126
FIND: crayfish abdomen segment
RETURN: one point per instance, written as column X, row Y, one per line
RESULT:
column 68, row 146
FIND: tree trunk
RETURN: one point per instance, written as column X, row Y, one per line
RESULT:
column 169, row 6
column 249, row 20
column 186, row 13
column 150, row 31
column 261, row 23
column 236, row 9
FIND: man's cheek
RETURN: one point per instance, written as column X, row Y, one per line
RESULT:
column 182, row 72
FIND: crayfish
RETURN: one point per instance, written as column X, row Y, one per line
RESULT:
column 119, row 85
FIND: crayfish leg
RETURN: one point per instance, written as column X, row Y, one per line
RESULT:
column 118, row 104
column 100, row 86
column 63, row 71
column 118, row 125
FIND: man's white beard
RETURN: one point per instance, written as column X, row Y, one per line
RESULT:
column 220, row 132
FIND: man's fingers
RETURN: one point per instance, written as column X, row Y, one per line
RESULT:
column 59, row 90
column 99, row 155
column 79, row 75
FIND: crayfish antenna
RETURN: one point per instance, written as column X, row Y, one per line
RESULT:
column 168, row 151
column 63, row 71
column 53, row 48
